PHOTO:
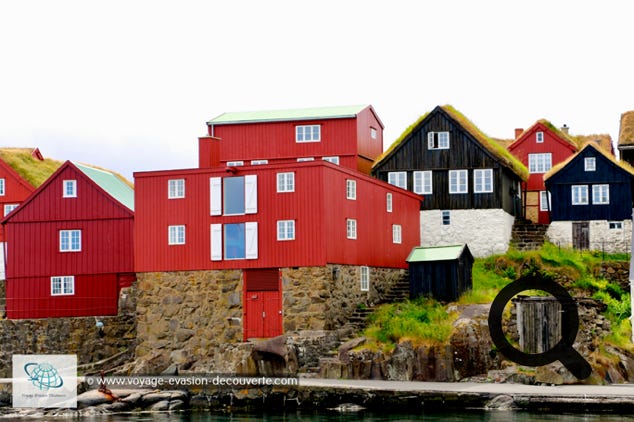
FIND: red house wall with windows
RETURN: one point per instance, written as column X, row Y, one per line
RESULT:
column 104, row 263
column 555, row 143
column 318, row 205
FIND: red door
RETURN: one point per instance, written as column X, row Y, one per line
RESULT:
column 262, row 304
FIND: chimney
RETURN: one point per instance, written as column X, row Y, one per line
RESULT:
column 518, row 132
column 565, row 128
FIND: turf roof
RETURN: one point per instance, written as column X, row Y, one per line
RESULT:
column 31, row 169
column 626, row 131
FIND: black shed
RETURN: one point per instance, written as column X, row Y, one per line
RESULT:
column 442, row 272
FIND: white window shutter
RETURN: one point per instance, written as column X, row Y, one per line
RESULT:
column 251, row 240
column 430, row 140
column 216, row 242
column 251, row 194
column 215, row 195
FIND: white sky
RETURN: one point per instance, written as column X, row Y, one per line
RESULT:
column 128, row 85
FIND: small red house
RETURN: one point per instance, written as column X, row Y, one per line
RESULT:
column 539, row 148
column 350, row 136
column 70, row 245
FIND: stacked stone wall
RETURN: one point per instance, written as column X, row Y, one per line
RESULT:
column 602, row 238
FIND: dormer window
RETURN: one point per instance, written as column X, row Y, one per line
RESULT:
column 70, row 188
column 539, row 137
column 373, row 133
column 438, row 140
column 590, row 164
column 308, row 133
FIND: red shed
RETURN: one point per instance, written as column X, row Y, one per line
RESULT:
column 351, row 136
column 70, row 245
column 539, row 148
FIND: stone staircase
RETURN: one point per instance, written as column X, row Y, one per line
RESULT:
column 527, row 235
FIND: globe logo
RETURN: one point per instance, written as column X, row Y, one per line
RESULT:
column 43, row 375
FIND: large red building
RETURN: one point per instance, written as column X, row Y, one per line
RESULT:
column 70, row 245
column 351, row 136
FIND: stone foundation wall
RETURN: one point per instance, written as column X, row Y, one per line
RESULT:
column 602, row 238
column 486, row 231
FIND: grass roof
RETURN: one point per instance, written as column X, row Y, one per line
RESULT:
column 622, row 164
column 604, row 141
column 400, row 139
column 31, row 169
column 626, row 131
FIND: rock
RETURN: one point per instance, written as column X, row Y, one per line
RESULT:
column 349, row 345
column 92, row 398
column 176, row 405
column 347, row 408
column 400, row 366
column 160, row 406
column 502, row 402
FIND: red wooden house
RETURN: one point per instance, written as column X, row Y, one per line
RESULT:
column 70, row 245
column 261, row 219
column 351, row 136
column 22, row 170
column 539, row 148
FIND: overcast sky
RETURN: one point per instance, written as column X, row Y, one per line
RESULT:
column 128, row 85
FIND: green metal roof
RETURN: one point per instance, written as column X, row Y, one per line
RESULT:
column 435, row 253
column 114, row 185
column 286, row 115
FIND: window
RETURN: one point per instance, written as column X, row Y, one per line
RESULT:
column 397, row 178
column 351, row 228
column 388, row 202
column 373, row 133
column 176, row 235
column 2, row 187
column 438, row 140
column 176, row 188
column 70, row 240
column 615, row 225
column 423, row 182
column 234, row 195
column 579, row 195
column 334, row 160
column 64, row 285
column 483, row 180
column 351, row 189
column 544, row 200
column 308, row 133
column 259, row 162
column 235, row 163
column 301, row 160
column 240, row 241
column 9, row 207
column 286, row 182
column 540, row 163
column 539, row 137
column 364, row 279
column 286, row 230
column 458, row 181
column 446, row 218
column 590, row 164
column 397, row 233
column 601, row 194
column 70, row 188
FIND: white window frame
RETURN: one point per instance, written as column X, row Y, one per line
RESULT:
column 304, row 159
column 539, row 137
column 388, row 202
column 63, row 285
column 445, row 216
column 235, row 163
column 176, row 188
column 373, row 133
column 590, row 164
column 351, row 189
column 397, row 178
column 544, row 200
column 301, row 131
column 69, row 188
column 601, row 194
column 441, row 141
column 216, row 196
column 579, row 194
column 423, row 182
column 615, row 225
column 461, row 178
column 3, row 186
column 332, row 159
column 540, row 162
column 285, row 230
column 397, row 234
column 66, row 236
column 9, row 207
column 364, row 278
column 176, row 235
column 259, row 162
column 351, row 228
column 480, row 179
column 285, row 182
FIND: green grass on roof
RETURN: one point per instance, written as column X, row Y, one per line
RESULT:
column 626, row 131
column 28, row 167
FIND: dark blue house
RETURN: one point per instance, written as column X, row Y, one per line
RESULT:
column 591, row 201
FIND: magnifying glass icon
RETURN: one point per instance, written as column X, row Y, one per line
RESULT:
column 563, row 350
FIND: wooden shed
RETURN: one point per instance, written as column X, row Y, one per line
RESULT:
column 442, row 272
